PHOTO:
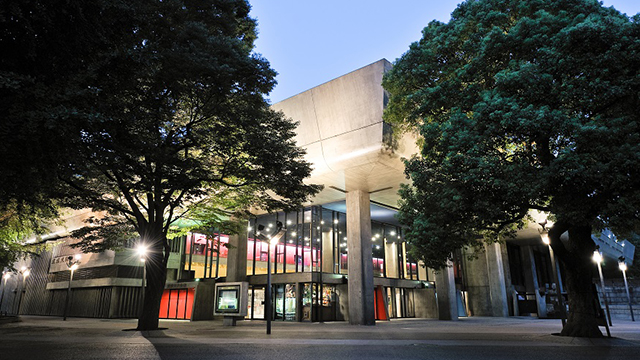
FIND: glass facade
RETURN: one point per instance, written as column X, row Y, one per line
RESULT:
column 315, row 242
column 205, row 256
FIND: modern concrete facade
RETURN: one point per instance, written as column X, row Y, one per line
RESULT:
column 343, row 256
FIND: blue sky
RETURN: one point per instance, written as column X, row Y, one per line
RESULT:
column 311, row 42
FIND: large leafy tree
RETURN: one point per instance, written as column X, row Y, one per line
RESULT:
column 523, row 104
column 170, row 112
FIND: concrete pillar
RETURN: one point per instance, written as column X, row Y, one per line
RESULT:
column 497, row 283
column 237, row 257
column 447, row 294
column 203, row 301
column 361, row 306
column 531, row 280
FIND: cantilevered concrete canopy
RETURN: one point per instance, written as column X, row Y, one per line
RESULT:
column 348, row 146
column 342, row 130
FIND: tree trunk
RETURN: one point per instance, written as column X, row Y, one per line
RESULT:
column 578, row 267
column 156, row 263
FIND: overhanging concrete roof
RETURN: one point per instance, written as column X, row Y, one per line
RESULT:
column 341, row 128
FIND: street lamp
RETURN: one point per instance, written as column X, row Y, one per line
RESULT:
column 72, row 263
column 556, row 274
column 24, row 271
column 272, row 239
column 623, row 267
column 142, row 251
column 5, row 277
column 597, row 257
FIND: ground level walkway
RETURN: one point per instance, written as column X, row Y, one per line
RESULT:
column 478, row 338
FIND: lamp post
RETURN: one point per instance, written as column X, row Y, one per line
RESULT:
column 597, row 257
column 142, row 251
column 556, row 275
column 25, row 272
column 5, row 277
column 623, row 267
column 272, row 239
column 72, row 263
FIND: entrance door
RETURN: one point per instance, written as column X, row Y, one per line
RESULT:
column 285, row 302
column 258, row 304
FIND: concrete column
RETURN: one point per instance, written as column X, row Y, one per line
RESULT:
column 446, row 293
column 237, row 257
column 497, row 283
column 531, row 280
column 361, row 306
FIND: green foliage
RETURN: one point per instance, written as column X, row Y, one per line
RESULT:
column 520, row 105
column 18, row 222
column 140, row 109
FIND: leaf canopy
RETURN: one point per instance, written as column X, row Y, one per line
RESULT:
column 520, row 105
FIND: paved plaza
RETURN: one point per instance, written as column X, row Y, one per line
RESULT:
column 469, row 338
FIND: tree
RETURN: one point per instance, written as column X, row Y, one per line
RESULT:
column 528, row 104
column 42, row 59
column 171, row 113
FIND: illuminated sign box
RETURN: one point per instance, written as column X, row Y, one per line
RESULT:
column 231, row 299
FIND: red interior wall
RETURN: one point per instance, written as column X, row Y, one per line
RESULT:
column 172, row 304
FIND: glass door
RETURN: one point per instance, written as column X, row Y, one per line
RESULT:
column 258, row 304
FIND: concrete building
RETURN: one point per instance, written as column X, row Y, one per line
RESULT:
column 343, row 256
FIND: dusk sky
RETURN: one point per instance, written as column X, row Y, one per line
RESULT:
column 311, row 42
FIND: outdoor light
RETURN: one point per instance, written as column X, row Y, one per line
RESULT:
column 555, row 268
column 623, row 267
column 545, row 239
column 24, row 271
column 273, row 239
column 597, row 257
column 142, row 250
column 5, row 277
column 321, row 222
column 288, row 222
column 293, row 233
column 335, row 221
column 392, row 233
column 72, row 263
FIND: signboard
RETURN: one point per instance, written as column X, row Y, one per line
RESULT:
column 231, row 299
